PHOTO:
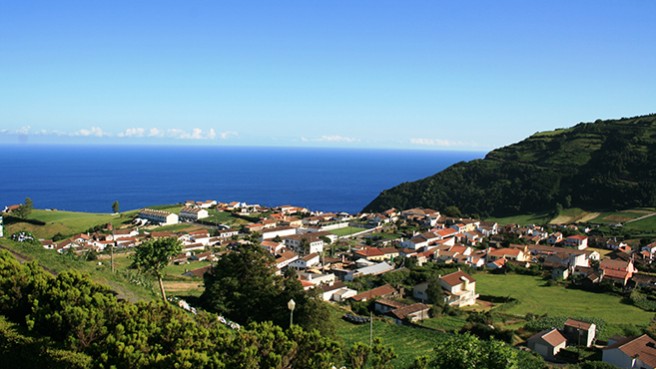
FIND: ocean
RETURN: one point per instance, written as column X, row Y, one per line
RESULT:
column 91, row 178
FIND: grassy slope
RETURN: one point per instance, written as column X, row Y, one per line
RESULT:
column 535, row 297
column 57, row 263
column 347, row 231
column 407, row 342
column 64, row 222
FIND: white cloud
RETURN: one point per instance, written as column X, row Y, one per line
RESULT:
column 133, row 132
column 195, row 134
column 439, row 142
column 227, row 134
column 92, row 132
column 155, row 132
column 332, row 139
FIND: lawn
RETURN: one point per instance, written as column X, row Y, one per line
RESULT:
column 522, row 219
column 647, row 224
column 223, row 217
column 534, row 296
column 47, row 223
column 178, row 270
column 407, row 342
column 347, row 231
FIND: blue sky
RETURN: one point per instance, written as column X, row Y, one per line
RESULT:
column 455, row 75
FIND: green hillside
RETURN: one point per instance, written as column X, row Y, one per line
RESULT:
column 605, row 165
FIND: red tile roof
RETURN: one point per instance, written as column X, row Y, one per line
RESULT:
column 373, row 293
column 403, row 312
column 455, row 278
column 554, row 338
column 643, row 347
column 577, row 324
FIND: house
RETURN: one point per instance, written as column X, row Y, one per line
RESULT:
column 273, row 247
column 555, row 238
column 382, row 291
column 318, row 278
column 370, row 253
column 460, row 289
column 575, row 257
column 304, row 244
column 277, row 232
column 384, row 306
column 48, row 244
column 578, row 242
column 158, row 216
column 306, row 261
column 337, row 292
column 617, row 270
column 507, row 253
column 117, row 234
column 283, row 260
column 375, row 269
column 193, row 214
column 198, row 273
column 579, row 333
column 227, row 233
column 639, row 352
column 412, row 313
column 547, row 343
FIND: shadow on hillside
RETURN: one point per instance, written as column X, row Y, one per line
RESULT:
column 9, row 219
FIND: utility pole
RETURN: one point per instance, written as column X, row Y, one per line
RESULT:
column 371, row 329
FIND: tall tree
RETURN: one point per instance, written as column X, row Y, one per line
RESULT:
column 244, row 287
column 25, row 209
column 115, row 206
column 154, row 255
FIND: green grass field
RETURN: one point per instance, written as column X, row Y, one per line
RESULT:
column 407, row 342
column 445, row 323
column 346, row 231
column 522, row 219
column 644, row 225
column 536, row 297
column 65, row 222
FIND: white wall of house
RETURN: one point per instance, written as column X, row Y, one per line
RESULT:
column 619, row 359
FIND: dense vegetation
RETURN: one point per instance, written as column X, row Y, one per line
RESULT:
column 68, row 321
column 596, row 166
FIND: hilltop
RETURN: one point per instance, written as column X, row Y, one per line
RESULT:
column 605, row 165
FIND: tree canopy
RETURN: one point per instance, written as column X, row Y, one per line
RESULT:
column 244, row 287
column 604, row 165
column 153, row 256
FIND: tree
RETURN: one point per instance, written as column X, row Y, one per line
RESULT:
column 154, row 255
column 115, row 207
column 436, row 296
column 465, row 351
column 452, row 211
column 244, row 287
column 25, row 209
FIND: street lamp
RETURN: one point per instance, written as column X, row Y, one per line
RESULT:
column 291, row 305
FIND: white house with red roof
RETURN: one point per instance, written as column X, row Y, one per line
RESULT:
column 578, row 242
column 547, row 343
column 617, row 270
column 460, row 288
column 639, row 352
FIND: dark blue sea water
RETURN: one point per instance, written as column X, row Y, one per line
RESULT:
column 90, row 178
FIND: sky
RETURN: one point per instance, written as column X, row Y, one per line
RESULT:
column 439, row 75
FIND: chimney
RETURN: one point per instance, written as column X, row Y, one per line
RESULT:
column 466, row 282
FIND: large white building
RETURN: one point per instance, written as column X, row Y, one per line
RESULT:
column 159, row 216
column 193, row 214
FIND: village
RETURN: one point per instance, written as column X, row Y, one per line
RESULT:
column 365, row 264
